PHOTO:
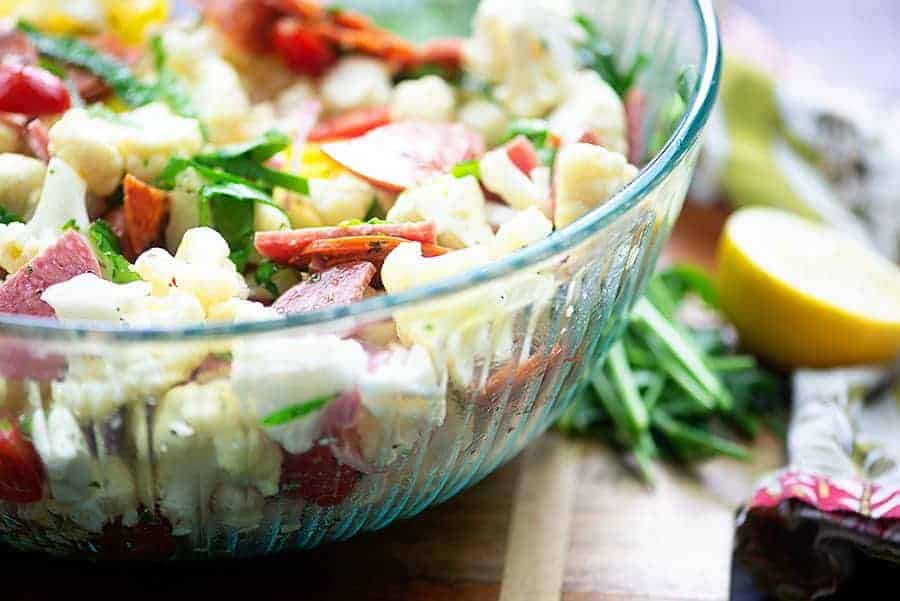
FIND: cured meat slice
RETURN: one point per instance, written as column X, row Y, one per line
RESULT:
column 401, row 155
column 71, row 255
column 340, row 285
column 146, row 213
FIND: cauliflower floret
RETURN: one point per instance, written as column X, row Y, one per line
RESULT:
column 486, row 118
column 586, row 176
column 356, row 82
column 428, row 98
column 501, row 176
column 91, row 491
column 304, row 369
column 201, row 268
column 520, row 47
column 10, row 140
column 88, row 297
column 456, row 205
column 268, row 218
column 527, row 227
column 184, row 206
column 591, row 106
column 213, row 84
column 340, row 198
column 62, row 200
column 21, row 179
column 469, row 327
column 139, row 142
column 406, row 400
column 202, row 444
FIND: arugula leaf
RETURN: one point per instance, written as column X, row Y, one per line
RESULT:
column 116, row 267
column 296, row 411
column 598, row 55
column 8, row 216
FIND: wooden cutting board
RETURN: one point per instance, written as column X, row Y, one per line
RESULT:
column 563, row 521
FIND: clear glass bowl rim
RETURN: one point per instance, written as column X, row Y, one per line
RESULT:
column 686, row 135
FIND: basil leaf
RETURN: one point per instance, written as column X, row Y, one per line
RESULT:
column 292, row 412
column 116, row 267
column 598, row 55
column 263, row 275
column 229, row 208
column 535, row 130
column 262, row 176
column 118, row 76
column 258, row 151
column 8, row 216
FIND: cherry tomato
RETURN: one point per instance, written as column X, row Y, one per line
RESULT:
column 351, row 124
column 21, row 476
column 301, row 49
column 31, row 91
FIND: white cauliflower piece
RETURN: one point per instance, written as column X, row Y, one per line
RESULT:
column 91, row 298
column 304, row 369
column 428, row 98
column 486, row 118
column 340, row 198
column 591, row 106
column 522, row 48
column 21, row 180
column 456, row 205
column 586, row 176
column 140, row 142
column 91, row 491
column 202, row 444
column 356, row 82
column 406, row 400
column 10, row 140
column 184, row 206
column 501, row 176
column 268, row 218
column 62, row 200
column 212, row 83
column 466, row 328
column 526, row 228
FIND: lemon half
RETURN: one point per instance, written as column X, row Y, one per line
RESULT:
column 801, row 294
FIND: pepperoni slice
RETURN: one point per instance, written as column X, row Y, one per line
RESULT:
column 286, row 246
column 146, row 212
column 523, row 154
column 69, row 256
column 115, row 219
column 340, row 285
column 323, row 254
column 21, row 474
column 402, row 155
column 351, row 124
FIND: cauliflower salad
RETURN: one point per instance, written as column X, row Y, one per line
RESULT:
column 265, row 159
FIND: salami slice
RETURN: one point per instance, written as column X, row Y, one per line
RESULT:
column 285, row 246
column 146, row 213
column 69, row 256
column 340, row 285
column 401, row 155
column 351, row 124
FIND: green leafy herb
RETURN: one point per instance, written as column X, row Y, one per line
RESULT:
column 9, row 216
column 258, row 151
column 229, row 208
column 598, row 55
column 292, row 412
column 53, row 66
column 466, row 168
column 672, row 112
column 375, row 211
column 116, row 267
column 129, row 89
column 71, row 225
column 666, row 390
column 538, row 132
column 263, row 275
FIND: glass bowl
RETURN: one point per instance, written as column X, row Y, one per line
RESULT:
column 135, row 468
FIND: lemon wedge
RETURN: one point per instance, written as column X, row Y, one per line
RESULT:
column 801, row 294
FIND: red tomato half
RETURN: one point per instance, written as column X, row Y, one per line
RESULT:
column 302, row 49
column 31, row 91
column 21, row 475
